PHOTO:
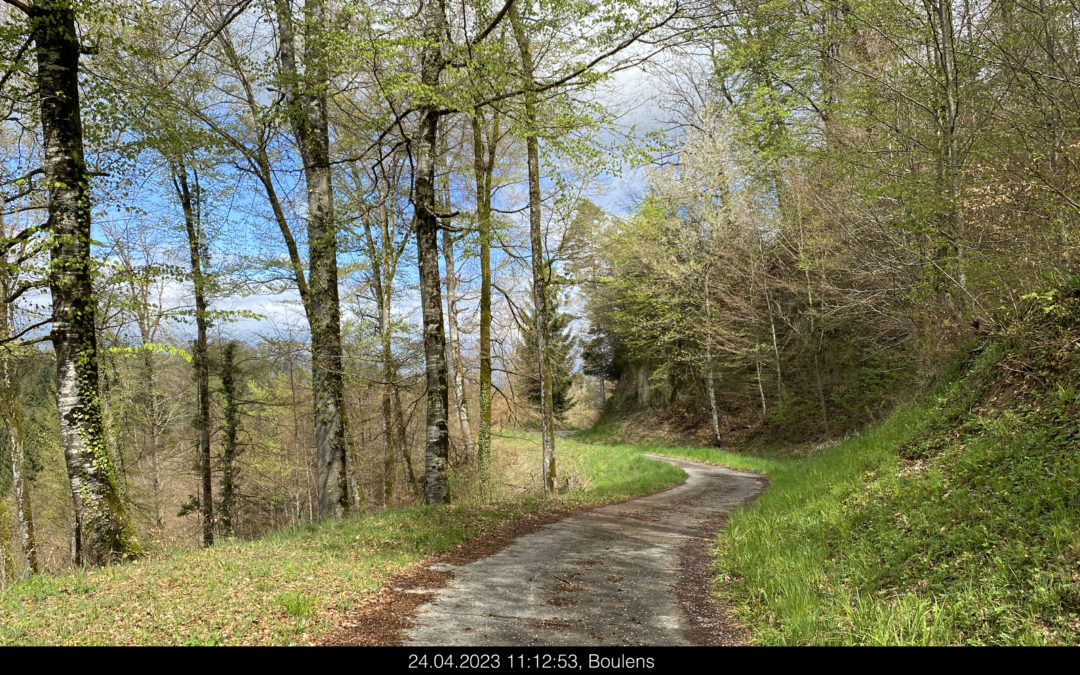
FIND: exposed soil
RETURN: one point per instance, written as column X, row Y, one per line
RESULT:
column 712, row 624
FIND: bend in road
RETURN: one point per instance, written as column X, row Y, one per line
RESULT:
column 610, row 576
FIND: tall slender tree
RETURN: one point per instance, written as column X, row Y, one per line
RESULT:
column 198, row 251
column 306, row 99
column 101, row 530
column 11, row 416
column 457, row 362
column 485, row 140
column 385, row 236
column 231, row 414
column 536, row 244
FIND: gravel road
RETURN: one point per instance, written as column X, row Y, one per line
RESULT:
column 634, row 573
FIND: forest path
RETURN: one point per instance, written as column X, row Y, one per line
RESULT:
column 635, row 573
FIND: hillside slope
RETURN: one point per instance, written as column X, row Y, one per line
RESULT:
column 956, row 521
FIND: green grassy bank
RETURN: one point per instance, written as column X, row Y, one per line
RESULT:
column 956, row 521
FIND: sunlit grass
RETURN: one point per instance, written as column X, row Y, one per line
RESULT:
column 878, row 541
column 938, row 526
column 945, row 524
column 295, row 585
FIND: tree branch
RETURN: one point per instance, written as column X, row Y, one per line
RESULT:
column 17, row 4
column 495, row 21
column 26, row 330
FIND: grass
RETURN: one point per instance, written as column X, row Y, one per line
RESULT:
column 765, row 465
column 297, row 604
column 955, row 521
column 605, row 428
column 295, row 585
column 950, row 523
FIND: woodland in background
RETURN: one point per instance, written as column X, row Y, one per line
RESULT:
column 844, row 195
column 863, row 188
column 272, row 244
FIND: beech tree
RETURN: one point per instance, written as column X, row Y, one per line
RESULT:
column 435, row 55
column 306, row 102
column 304, row 80
column 101, row 533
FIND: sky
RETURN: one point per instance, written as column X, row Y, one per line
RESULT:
column 634, row 95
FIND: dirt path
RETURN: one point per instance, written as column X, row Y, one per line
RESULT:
column 635, row 573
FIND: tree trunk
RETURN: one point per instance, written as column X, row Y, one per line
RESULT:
column 454, row 344
column 714, row 411
column 101, row 531
column 835, row 36
column 7, row 563
column 483, row 169
column 776, row 347
column 821, row 391
column 384, row 257
column 231, row 414
column 437, row 440
column 812, row 313
column 539, row 268
column 138, row 289
column 710, row 384
column 329, row 437
column 939, row 19
column 149, row 386
column 199, row 252
column 356, row 494
column 426, row 226
column 155, row 479
column 391, row 440
column 306, row 103
column 11, row 417
column 394, row 432
column 390, row 447
column 761, row 391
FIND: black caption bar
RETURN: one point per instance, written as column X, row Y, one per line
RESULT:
column 537, row 659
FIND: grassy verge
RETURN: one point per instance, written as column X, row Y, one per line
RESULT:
column 954, row 522
column 733, row 460
column 292, row 587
